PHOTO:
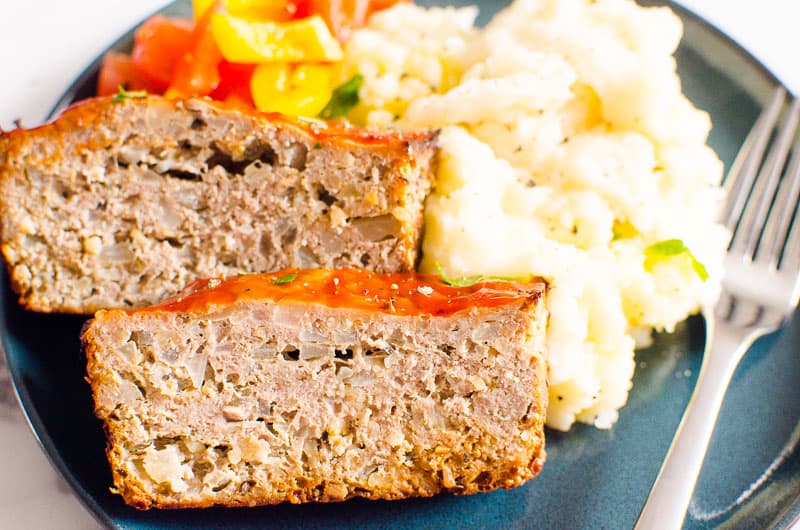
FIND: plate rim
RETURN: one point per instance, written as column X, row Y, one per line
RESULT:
column 789, row 517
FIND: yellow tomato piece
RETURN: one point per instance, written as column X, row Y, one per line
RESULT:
column 301, row 90
column 275, row 10
column 259, row 10
column 244, row 41
column 199, row 7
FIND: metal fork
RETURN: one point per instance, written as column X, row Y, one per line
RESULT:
column 759, row 293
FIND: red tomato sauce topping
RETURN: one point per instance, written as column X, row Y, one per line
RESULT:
column 400, row 293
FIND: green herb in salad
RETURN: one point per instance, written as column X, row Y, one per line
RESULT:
column 671, row 248
column 344, row 98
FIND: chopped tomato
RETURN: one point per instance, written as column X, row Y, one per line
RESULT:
column 256, row 10
column 216, row 54
column 117, row 70
column 300, row 9
column 274, row 10
column 342, row 16
column 234, row 81
column 380, row 5
column 196, row 73
column 297, row 90
column 159, row 44
column 245, row 41
column 201, row 7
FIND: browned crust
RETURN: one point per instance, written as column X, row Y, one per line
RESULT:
column 84, row 112
column 86, row 115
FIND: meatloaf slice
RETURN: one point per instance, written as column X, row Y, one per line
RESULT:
column 119, row 203
column 321, row 385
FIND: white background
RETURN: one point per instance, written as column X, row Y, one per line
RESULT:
column 45, row 44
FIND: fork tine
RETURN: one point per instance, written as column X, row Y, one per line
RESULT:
column 784, row 211
column 791, row 254
column 756, row 211
column 744, row 169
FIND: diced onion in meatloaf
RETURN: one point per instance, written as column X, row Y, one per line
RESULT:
column 321, row 385
column 118, row 204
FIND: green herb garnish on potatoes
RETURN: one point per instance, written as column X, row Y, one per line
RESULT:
column 671, row 248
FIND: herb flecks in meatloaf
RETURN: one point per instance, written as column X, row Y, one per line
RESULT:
column 119, row 204
column 245, row 391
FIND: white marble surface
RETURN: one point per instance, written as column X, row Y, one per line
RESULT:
column 45, row 44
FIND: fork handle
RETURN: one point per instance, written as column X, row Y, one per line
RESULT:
column 669, row 498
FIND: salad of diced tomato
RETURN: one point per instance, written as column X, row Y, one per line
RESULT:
column 273, row 55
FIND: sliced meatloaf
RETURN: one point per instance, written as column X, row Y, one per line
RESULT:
column 321, row 385
column 119, row 203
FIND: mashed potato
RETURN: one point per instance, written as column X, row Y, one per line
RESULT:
column 568, row 150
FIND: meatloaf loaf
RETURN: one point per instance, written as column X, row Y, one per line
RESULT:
column 321, row 385
column 121, row 202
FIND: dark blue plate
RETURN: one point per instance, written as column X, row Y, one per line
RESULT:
column 593, row 478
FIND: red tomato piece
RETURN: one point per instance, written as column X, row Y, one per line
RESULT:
column 117, row 70
column 159, row 44
column 342, row 16
column 196, row 73
column 300, row 9
column 380, row 5
column 234, row 80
